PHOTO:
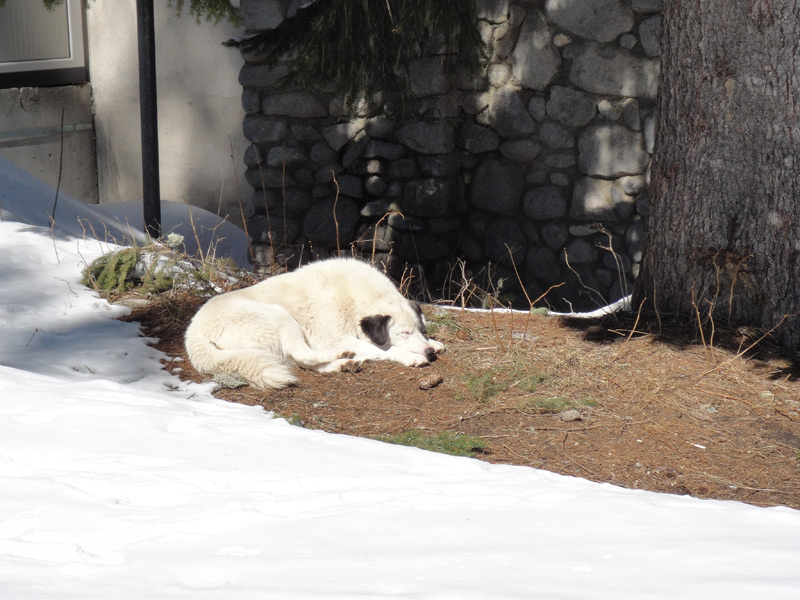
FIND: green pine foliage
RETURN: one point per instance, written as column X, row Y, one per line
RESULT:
column 365, row 47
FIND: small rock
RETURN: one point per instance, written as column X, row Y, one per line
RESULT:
column 230, row 382
column 570, row 415
column 430, row 381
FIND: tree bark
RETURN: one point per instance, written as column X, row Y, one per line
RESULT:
column 723, row 225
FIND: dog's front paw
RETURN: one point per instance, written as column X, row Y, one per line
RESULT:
column 415, row 360
column 438, row 347
column 349, row 365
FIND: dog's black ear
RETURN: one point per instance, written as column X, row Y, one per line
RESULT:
column 376, row 327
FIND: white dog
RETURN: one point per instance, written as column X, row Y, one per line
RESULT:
column 326, row 316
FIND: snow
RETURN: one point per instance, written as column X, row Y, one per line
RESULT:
column 118, row 480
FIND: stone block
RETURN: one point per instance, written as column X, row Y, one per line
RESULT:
column 611, row 151
column 381, row 149
column 570, row 106
column 614, row 71
column 285, row 156
column 339, row 134
column 428, row 137
column 331, row 222
column 261, row 129
column 427, row 77
column 507, row 114
column 295, row 104
column 497, row 187
column 535, row 60
column 650, row 35
column 523, row 150
column 477, row 139
column 494, row 11
column 602, row 199
column 601, row 20
column 427, row 198
column 505, row 243
column 545, row 203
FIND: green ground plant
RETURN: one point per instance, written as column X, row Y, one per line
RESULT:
column 444, row 442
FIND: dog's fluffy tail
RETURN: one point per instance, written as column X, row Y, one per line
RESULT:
column 261, row 369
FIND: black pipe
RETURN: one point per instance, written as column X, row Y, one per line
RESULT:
column 151, row 193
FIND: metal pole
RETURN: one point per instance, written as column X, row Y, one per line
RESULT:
column 151, row 198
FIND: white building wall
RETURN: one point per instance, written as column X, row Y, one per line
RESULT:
column 199, row 108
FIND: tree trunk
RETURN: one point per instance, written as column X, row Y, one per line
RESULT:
column 723, row 226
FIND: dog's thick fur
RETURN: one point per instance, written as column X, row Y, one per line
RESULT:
column 326, row 316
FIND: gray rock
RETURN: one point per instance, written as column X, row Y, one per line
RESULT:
column 339, row 134
column 505, row 243
column 542, row 263
column 350, row 185
column 427, row 77
column 634, row 238
column 428, row 137
column 403, row 168
column 295, row 104
column 555, row 234
column 570, row 106
column 580, row 252
column 497, row 188
column 631, row 114
column 427, row 197
column 285, row 156
column 535, row 60
column 439, row 166
column 296, row 200
column 555, row 136
column 601, row 20
column 615, row 71
column 647, row 6
column 545, row 203
column 498, row 74
column 537, row 107
column 650, row 36
column 378, row 127
column 322, row 153
column 375, row 185
column 477, row 139
column 507, row 114
column 261, row 129
column 570, row 415
column 494, row 11
column 262, row 14
column 274, row 230
column 611, row 151
column 382, row 149
column 320, row 226
column 261, row 76
column 251, row 101
column 560, row 160
column 524, row 150
column 600, row 199
column 649, row 132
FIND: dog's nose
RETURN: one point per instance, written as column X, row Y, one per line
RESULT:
column 430, row 354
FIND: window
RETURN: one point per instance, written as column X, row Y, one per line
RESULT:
column 40, row 47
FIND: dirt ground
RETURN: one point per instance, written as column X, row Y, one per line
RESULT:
column 649, row 405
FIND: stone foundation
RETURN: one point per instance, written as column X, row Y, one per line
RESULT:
column 530, row 176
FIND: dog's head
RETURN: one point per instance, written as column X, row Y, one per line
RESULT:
column 403, row 328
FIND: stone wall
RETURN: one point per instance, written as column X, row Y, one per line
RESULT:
column 534, row 171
